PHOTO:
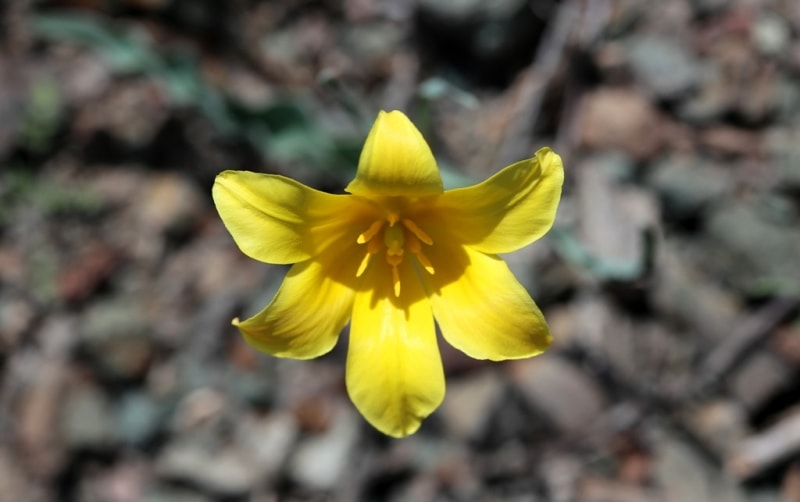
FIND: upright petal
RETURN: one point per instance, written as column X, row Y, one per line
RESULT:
column 305, row 318
column 510, row 210
column 278, row 220
column 394, row 371
column 396, row 160
column 481, row 308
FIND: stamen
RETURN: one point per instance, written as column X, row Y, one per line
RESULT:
column 416, row 248
column 413, row 245
column 395, row 241
column 421, row 235
column 396, row 281
column 371, row 232
column 363, row 266
column 426, row 263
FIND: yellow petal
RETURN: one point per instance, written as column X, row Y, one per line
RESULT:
column 278, row 220
column 395, row 160
column 394, row 371
column 481, row 308
column 510, row 210
column 307, row 314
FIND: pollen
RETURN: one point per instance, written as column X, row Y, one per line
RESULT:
column 397, row 239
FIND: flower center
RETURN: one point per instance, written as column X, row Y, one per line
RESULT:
column 399, row 235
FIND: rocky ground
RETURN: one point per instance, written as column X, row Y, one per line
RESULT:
column 671, row 279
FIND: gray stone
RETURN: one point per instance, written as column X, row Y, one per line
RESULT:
column 140, row 418
column 115, row 336
column 708, row 105
column 683, row 474
column 783, row 145
column 763, row 376
column 320, row 462
column 268, row 441
column 686, row 187
column 771, row 33
column 470, row 402
column 752, row 252
column 219, row 470
column 14, row 481
column 87, row 419
column 683, row 292
column 560, row 390
column 665, row 67
column 721, row 424
column 253, row 387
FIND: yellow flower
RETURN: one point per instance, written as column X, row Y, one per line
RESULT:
column 389, row 257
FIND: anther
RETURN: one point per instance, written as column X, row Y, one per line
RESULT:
column 416, row 248
column 395, row 241
column 418, row 232
column 373, row 247
column 363, row 266
column 371, row 232
column 396, row 281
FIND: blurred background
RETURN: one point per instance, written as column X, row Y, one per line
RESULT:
column 671, row 279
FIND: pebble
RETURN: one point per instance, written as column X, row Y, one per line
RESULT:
column 682, row 474
column 201, row 406
column 758, row 453
column 664, row 66
column 16, row 316
column 560, row 473
column 751, row 251
column 681, row 292
column 123, row 482
column 321, row 461
column 709, row 104
column 761, row 377
column 14, row 484
column 170, row 203
column 221, row 471
column 621, row 119
column 267, row 441
column 37, row 413
column 721, row 424
column 784, row 147
column 560, row 390
column 87, row 420
column 727, row 142
column 115, row 337
column 470, row 403
column 612, row 219
column 596, row 489
column 771, row 34
column 141, row 418
column 686, row 187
